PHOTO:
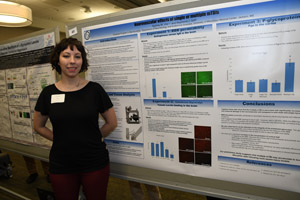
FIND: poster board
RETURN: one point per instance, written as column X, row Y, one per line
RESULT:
column 175, row 68
column 180, row 181
column 25, row 70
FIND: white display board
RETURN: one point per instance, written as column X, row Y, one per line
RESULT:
column 207, row 91
column 206, row 94
column 25, row 71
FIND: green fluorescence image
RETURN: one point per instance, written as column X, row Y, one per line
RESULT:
column 188, row 91
column 188, row 78
column 204, row 91
column 204, row 77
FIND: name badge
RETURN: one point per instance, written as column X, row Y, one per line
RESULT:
column 57, row 98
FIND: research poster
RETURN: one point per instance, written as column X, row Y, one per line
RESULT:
column 25, row 71
column 211, row 91
column 5, row 130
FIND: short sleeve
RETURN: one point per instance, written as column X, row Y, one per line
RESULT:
column 104, row 101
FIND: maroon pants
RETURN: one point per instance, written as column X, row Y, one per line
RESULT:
column 94, row 184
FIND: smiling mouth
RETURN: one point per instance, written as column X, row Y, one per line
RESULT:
column 71, row 68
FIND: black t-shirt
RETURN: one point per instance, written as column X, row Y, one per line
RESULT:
column 77, row 141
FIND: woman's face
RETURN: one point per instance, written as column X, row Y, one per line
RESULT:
column 70, row 62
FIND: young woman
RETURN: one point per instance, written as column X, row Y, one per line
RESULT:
column 78, row 155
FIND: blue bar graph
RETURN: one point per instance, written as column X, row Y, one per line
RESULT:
column 250, row 86
column 275, row 87
column 162, row 150
column 167, row 153
column 152, row 149
column 154, row 87
column 239, row 86
column 164, row 94
column 158, row 150
column 289, row 77
column 263, row 85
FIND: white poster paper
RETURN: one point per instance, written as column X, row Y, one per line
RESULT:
column 214, row 89
column 27, row 73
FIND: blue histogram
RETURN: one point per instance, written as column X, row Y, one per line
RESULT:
column 152, row 149
column 263, row 85
column 289, row 77
column 154, row 87
column 250, row 86
column 275, row 87
column 159, row 150
column 167, row 153
column 162, row 150
column 239, row 86
column 164, row 94
column 289, row 82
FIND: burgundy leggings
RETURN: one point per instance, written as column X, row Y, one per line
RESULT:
column 94, row 184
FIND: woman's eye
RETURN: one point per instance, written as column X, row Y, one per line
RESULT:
column 66, row 56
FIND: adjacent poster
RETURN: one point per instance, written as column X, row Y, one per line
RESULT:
column 5, row 130
column 25, row 73
column 210, row 91
column 38, row 77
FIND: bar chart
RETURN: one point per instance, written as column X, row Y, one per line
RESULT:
column 289, row 77
column 159, row 150
column 265, row 86
column 154, row 90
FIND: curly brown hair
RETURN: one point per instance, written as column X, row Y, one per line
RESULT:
column 64, row 44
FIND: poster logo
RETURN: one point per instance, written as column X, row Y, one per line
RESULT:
column 87, row 35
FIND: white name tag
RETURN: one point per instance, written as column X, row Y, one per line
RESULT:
column 57, row 98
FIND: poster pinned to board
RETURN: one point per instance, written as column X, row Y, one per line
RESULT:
column 209, row 91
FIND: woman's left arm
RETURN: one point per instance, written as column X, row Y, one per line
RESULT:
column 110, row 122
